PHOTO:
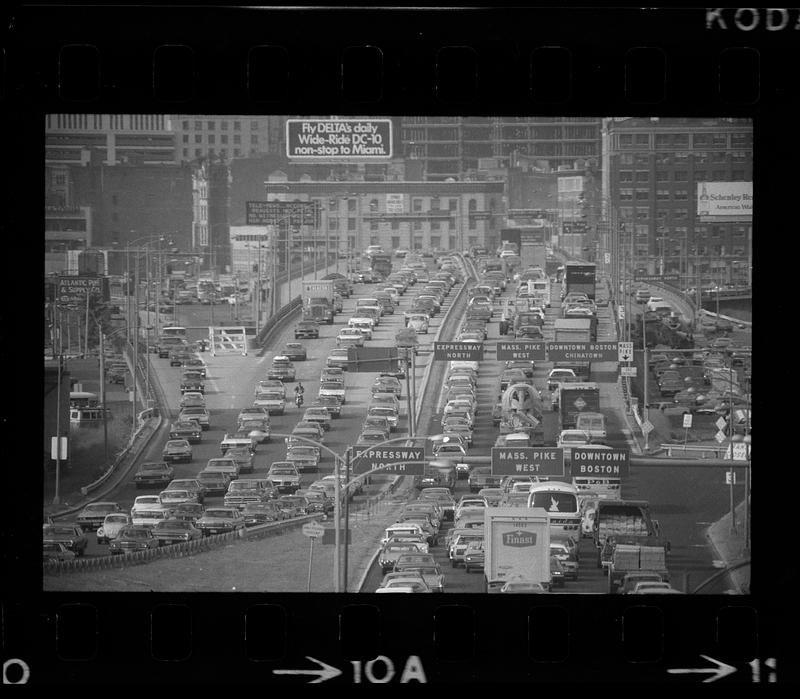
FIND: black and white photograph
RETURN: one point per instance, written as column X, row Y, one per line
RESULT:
column 397, row 354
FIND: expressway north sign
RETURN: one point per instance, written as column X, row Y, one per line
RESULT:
column 463, row 351
column 527, row 461
column 389, row 460
column 521, row 350
column 582, row 351
column 608, row 463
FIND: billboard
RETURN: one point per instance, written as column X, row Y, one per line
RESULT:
column 72, row 290
column 339, row 139
column 725, row 201
column 394, row 203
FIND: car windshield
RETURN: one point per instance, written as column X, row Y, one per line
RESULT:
column 58, row 531
column 331, row 385
column 283, row 471
column 303, row 451
column 172, row 524
column 219, row 513
column 114, row 519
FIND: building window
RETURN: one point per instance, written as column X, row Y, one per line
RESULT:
column 418, row 242
column 626, row 176
column 186, row 138
column 237, row 125
column 626, row 158
column 738, row 156
column 185, row 125
column 472, row 225
column 719, row 156
column 663, row 159
column 737, row 175
column 333, row 224
column 434, row 204
column 373, row 205
column 198, row 152
column 417, row 225
column 211, row 151
column 198, row 138
column 254, row 126
column 211, row 125
column 453, row 204
column 642, row 139
column 741, row 140
column 237, row 138
column 416, row 205
column 642, row 176
column 626, row 195
column 395, row 242
column 681, row 175
column 680, row 214
column 642, row 194
column 237, row 152
column 718, row 175
column 223, row 152
column 642, row 215
column 701, row 156
column 211, row 138
column 254, row 139
column 198, row 125
column 641, row 159
column 373, row 225
column 661, row 214
column 473, row 205
column 662, row 175
column 625, row 140
column 436, row 241
column 681, row 194
column 662, row 194
column 351, row 204
column 223, row 138
column 452, row 242
column 223, row 125
column 185, row 152
column 699, row 175
column 436, row 226
column 395, row 225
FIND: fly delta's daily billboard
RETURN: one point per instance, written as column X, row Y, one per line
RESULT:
column 339, row 139
column 725, row 201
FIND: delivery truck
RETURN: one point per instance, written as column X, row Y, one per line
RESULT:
column 517, row 546
column 580, row 277
column 574, row 399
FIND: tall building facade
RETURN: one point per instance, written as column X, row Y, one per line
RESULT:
column 226, row 137
column 651, row 171
column 79, row 139
column 413, row 215
column 451, row 146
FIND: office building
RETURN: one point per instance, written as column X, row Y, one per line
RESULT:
column 651, row 171
column 226, row 137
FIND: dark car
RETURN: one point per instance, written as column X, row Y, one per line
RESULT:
column 71, row 535
column 261, row 513
column 189, row 430
column 295, row 351
column 56, row 552
column 133, row 538
column 187, row 511
column 158, row 473
column 243, row 457
column 306, row 328
column 91, row 517
column 332, row 403
column 174, row 531
column 178, row 358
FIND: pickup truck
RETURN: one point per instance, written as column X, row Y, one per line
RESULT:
column 632, row 558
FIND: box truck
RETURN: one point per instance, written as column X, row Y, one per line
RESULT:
column 517, row 546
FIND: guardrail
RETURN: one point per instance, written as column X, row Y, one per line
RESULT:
column 177, row 550
column 715, row 451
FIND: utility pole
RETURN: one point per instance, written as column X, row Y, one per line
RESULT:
column 103, row 391
column 346, row 516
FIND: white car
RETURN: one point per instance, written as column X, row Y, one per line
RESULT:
column 332, row 388
column 350, row 336
column 363, row 323
column 572, row 438
column 270, row 385
column 556, row 374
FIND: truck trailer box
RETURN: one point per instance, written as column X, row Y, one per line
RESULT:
column 318, row 289
column 517, row 545
column 576, row 398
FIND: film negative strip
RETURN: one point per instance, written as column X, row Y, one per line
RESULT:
column 198, row 142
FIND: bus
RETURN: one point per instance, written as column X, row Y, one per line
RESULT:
column 560, row 500
column 173, row 331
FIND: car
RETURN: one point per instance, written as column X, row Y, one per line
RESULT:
column 350, row 337
column 567, row 556
column 572, row 438
column 337, row 357
column 553, row 378
column 238, row 439
column 332, row 388
column 389, row 412
column 262, row 512
column 272, row 401
column 470, row 505
column 91, row 517
column 214, row 482
column 650, row 587
column 154, row 473
column 282, row 369
column 70, row 534
column 363, row 323
column 242, row 457
column 198, row 413
column 304, row 457
column 319, row 415
column 431, row 572
column 133, row 538
column 630, row 580
column 188, row 511
column 318, row 501
column 404, row 584
column 178, row 358
column 56, row 552
column 522, row 587
column 258, row 429
column 245, row 490
column 112, row 525
column 284, row 476
column 220, row 520
column 189, row 430
column 196, row 364
column 190, row 484
column 458, row 545
column 369, row 437
column 177, row 450
column 192, row 399
column 332, row 403
column 175, row 531
column 295, row 351
column 291, row 506
column 170, row 498
column 377, row 422
column 491, row 495
column 306, row 329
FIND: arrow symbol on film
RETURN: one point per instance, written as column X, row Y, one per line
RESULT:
column 720, row 671
column 325, row 671
column 625, row 357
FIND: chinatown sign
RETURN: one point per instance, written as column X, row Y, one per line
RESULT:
column 582, row 351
